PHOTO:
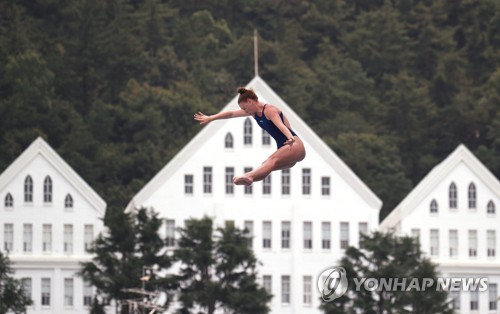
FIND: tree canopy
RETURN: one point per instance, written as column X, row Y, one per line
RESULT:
column 112, row 85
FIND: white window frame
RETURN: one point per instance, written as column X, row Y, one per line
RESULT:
column 285, row 181
column 8, row 237
column 68, row 238
column 306, row 181
column 47, row 238
column 453, row 241
column 247, row 132
column 308, row 235
column 326, row 235
column 28, row 190
column 267, row 232
column 207, row 179
column 88, row 237
column 286, row 228
column 285, row 289
column 344, row 235
column 229, row 180
column 325, row 186
column 434, row 242
column 69, row 292
column 473, row 243
column 188, row 184
column 47, row 190
column 27, row 238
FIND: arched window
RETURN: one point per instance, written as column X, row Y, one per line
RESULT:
column 68, row 202
column 434, row 206
column 228, row 142
column 490, row 209
column 47, row 190
column 472, row 196
column 247, row 132
column 28, row 190
column 9, row 201
column 453, row 195
column 266, row 138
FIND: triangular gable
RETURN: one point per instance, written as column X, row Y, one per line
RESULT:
column 434, row 177
column 39, row 146
column 305, row 132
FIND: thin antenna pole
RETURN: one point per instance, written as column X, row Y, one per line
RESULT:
column 255, row 53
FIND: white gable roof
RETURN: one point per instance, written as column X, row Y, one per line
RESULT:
column 460, row 155
column 40, row 147
column 299, row 126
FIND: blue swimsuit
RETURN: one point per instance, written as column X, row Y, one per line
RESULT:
column 272, row 129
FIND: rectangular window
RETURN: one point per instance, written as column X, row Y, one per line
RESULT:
column 46, row 291
column 207, row 180
column 472, row 243
column 229, row 180
column 47, row 238
column 266, row 139
column 474, row 300
column 8, row 237
column 266, row 234
column 88, row 237
column 68, row 291
column 493, row 296
column 27, row 238
column 247, row 132
column 344, row 235
column 308, row 235
column 285, row 234
column 87, row 294
column 363, row 230
column 326, row 235
column 249, row 228
column 188, row 184
column 267, row 283
column 266, row 185
column 456, row 299
column 27, row 286
column 306, row 181
column 491, row 242
column 453, row 239
column 285, row 181
column 170, row 233
column 248, row 189
column 68, row 239
column 434, row 242
column 285, row 289
column 307, row 298
column 325, row 186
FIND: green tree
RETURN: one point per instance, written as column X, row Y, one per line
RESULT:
column 218, row 270
column 13, row 298
column 130, row 245
column 383, row 255
column 377, row 161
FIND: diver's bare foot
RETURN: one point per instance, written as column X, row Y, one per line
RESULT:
column 242, row 180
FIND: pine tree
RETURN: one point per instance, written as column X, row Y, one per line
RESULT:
column 383, row 255
column 130, row 245
column 13, row 298
column 218, row 270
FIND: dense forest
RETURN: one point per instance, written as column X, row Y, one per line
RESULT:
column 391, row 86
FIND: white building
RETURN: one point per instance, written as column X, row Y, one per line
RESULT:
column 453, row 211
column 49, row 217
column 301, row 219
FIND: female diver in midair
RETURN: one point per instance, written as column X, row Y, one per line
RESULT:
column 290, row 147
